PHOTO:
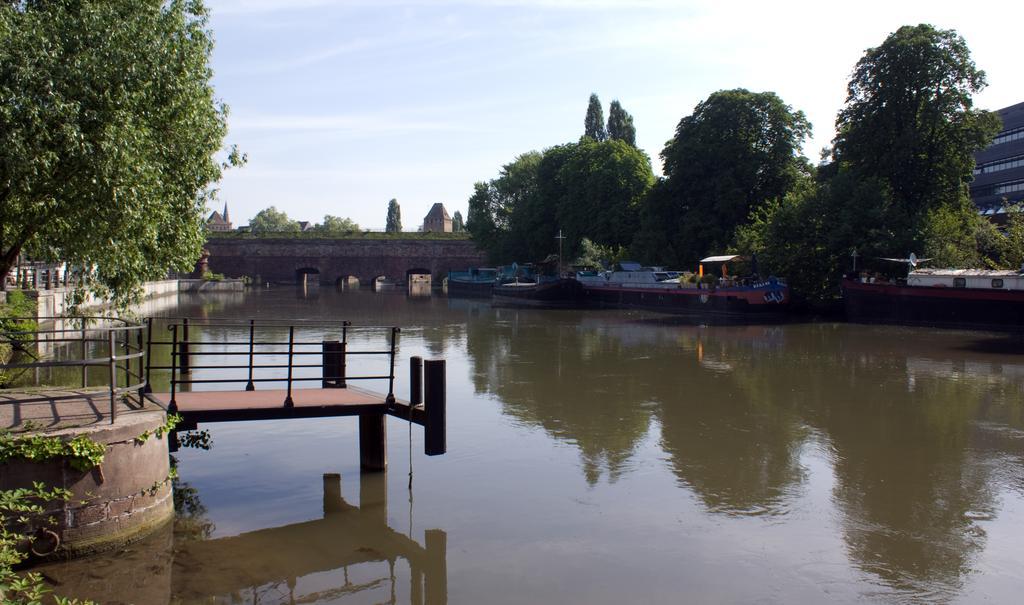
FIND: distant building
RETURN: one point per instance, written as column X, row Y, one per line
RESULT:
column 218, row 221
column 437, row 220
column 305, row 225
column 999, row 170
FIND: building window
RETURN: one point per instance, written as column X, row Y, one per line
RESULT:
column 1003, row 164
column 959, row 282
column 997, row 283
column 1009, row 135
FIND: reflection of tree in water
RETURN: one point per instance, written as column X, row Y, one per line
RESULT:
column 190, row 520
column 577, row 385
column 737, row 448
column 908, row 482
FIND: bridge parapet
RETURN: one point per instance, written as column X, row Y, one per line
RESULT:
column 284, row 260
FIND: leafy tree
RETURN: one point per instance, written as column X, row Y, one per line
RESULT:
column 394, row 222
column 458, row 225
column 909, row 120
column 604, row 184
column 108, row 128
column 272, row 220
column 593, row 124
column 533, row 223
column 620, row 124
column 493, row 204
column 593, row 255
column 902, row 158
column 334, row 225
column 482, row 218
column 734, row 153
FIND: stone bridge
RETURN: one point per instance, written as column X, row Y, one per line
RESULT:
column 292, row 260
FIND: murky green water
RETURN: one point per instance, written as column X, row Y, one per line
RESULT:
column 614, row 457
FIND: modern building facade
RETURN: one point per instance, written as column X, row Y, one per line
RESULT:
column 999, row 173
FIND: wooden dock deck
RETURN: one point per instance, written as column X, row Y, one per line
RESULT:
column 234, row 406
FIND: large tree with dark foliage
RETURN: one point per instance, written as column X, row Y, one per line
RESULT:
column 909, row 120
column 902, row 159
column 737, row 150
column 108, row 130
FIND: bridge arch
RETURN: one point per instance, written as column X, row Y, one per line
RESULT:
column 307, row 276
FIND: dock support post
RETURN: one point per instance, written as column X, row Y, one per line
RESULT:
column 373, row 435
column 435, row 440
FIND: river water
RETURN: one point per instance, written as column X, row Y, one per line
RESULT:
column 611, row 457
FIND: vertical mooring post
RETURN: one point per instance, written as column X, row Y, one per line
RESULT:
column 333, row 364
column 435, row 397
column 332, row 493
column 415, row 381
column 185, row 362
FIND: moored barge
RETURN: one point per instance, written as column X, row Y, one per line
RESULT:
column 645, row 288
column 472, row 283
column 943, row 298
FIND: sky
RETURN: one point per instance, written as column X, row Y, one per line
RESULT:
column 343, row 105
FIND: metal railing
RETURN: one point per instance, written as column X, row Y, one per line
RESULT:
column 254, row 355
column 76, row 342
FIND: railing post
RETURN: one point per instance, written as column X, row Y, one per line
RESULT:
column 435, row 440
column 112, row 341
column 85, row 367
column 173, row 406
column 291, row 353
column 391, row 373
column 142, row 364
column 185, row 361
column 149, row 353
column 249, row 386
column 344, row 353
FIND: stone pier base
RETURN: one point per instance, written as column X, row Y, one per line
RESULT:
column 122, row 500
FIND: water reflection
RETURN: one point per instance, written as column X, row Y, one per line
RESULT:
column 737, row 406
column 914, row 440
column 349, row 553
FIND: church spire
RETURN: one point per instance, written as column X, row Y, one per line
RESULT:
column 227, row 219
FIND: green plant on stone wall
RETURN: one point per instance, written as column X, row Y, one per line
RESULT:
column 81, row 453
column 18, row 508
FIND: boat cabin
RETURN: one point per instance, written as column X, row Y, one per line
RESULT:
column 978, row 279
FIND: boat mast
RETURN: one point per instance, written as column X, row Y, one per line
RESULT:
column 560, row 237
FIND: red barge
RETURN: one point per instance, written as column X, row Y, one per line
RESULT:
column 944, row 298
